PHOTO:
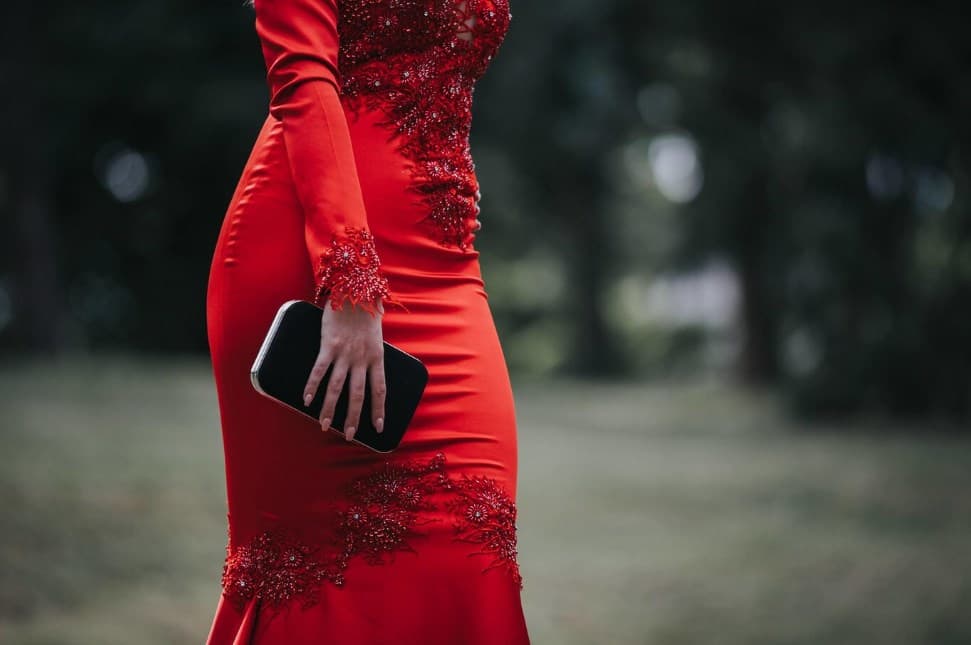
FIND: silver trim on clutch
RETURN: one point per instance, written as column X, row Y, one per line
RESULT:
column 265, row 347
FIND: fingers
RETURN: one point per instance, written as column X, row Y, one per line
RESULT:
column 334, row 386
column 355, row 401
column 351, row 343
column 378, row 393
column 324, row 358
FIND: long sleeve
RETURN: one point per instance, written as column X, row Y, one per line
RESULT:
column 300, row 47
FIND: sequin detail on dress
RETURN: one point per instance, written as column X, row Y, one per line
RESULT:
column 349, row 269
column 383, row 511
column 487, row 517
column 418, row 61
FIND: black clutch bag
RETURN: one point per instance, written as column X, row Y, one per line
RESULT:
column 288, row 353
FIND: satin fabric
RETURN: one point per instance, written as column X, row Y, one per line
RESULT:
column 282, row 470
column 300, row 45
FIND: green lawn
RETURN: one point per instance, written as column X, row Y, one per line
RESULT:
column 648, row 514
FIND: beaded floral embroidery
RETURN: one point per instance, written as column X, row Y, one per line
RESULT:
column 485, row 514
column 349, row 270
column 418, row 60
column 384, row 511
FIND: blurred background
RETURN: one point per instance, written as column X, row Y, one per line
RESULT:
column 728, row 250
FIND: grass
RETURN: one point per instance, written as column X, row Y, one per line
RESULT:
column 648, row 514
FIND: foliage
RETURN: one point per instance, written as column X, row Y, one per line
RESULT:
column 836, row 179
column 832, row 138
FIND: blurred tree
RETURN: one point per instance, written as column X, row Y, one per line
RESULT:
column 122, row 144
column 556, row 105
column 27, row 181
column 833, row 139
column 836, row 178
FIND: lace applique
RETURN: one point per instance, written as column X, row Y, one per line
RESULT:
column 418, row 60
column 384, row 510
column 349, row 269
column 487, row 516
column 274, row 567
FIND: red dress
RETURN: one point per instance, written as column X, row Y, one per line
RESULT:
column 361, row 185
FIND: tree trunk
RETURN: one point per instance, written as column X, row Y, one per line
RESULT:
column 759, row 360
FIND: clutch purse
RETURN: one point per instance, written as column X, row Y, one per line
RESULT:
column 288, row 353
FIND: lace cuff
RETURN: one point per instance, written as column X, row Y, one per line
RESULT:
column 349, row 269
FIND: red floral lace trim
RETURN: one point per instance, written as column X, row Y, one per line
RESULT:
column 487, row 516
column 384, row 510
column 426, row 92
column 349, row 270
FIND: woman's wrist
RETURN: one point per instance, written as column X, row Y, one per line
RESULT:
column 348, row 271
column 345, row 303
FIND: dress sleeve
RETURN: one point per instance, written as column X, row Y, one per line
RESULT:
column 300, row 47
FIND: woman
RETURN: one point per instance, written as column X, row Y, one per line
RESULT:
column 360, row 194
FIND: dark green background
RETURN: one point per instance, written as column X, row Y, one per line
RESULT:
column 833, row 140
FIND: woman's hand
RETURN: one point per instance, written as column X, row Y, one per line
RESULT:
column 351, row 339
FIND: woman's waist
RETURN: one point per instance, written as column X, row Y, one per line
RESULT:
column 392, row 162
column 423, row 230
column 429, row 275
column 430, row 187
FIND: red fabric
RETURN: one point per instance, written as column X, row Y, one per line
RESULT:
column 359, row 193
column 300, row 46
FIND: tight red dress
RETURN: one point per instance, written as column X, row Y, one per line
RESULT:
column 360, row 187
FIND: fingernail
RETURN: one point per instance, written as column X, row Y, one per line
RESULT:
column 326, row 423
column 307, row 398
column 349, row 433
column 379, row 424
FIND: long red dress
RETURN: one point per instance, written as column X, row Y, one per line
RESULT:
column 361, row 186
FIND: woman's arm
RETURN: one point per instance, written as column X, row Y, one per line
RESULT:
column 300, row 47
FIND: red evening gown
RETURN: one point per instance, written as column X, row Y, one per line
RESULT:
column 361, row 186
